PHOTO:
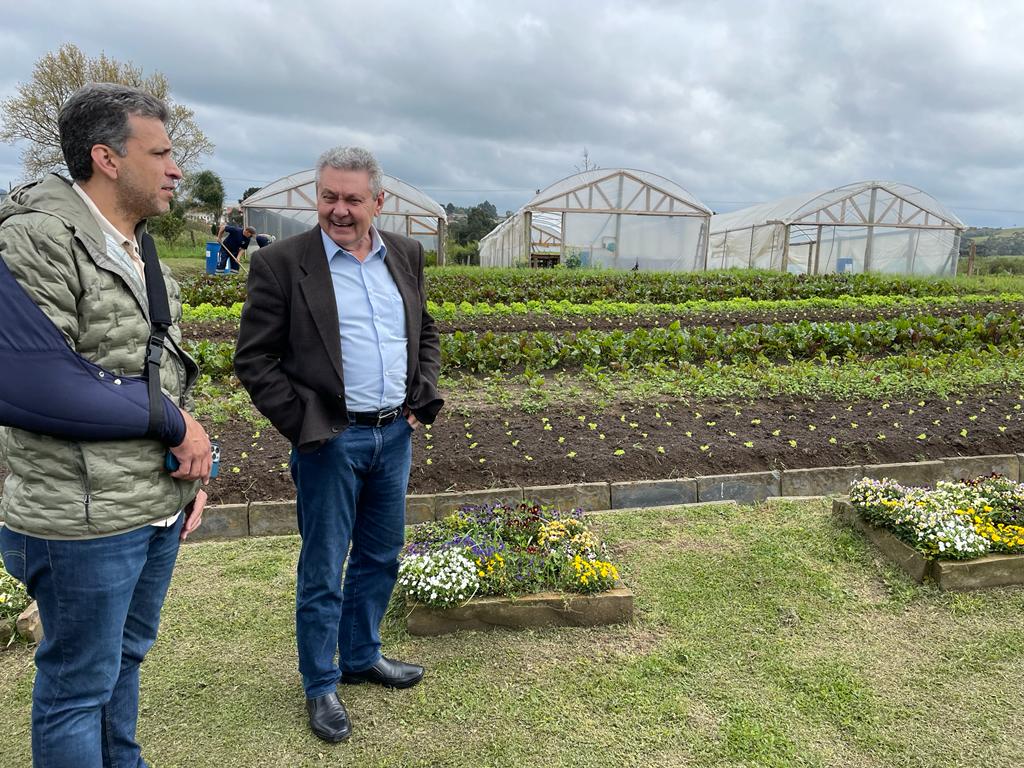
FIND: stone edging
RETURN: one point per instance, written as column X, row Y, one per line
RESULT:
column 544, row 609
column 273, row 518
column 951, row 575
column 27, row 626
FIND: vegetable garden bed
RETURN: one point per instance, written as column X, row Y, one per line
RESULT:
column 479, row 445
column 892, row 369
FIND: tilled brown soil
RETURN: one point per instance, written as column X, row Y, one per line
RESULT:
column 220, row 331
column 479, row 446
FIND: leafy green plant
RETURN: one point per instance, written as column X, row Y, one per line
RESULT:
column 508, row 286
column 673, row 345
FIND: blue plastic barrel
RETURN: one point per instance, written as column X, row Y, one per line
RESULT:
column 212, row 254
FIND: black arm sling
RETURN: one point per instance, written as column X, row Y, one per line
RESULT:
column 50, row 389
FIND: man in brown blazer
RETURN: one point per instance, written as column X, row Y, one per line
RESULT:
column 337, row 349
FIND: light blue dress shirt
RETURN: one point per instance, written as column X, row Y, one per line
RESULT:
column 371, row 320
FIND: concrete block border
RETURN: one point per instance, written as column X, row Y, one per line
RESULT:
column 969, row 467
column 652, row 493
column 745, row 487
column 231, row 521
column 819, row 481
column 544, row 609
column 950, row 575
column 226, row 521
column 908, row 472
column 272, row 518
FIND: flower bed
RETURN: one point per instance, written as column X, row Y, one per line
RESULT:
column 957, row 521
column 506, row 551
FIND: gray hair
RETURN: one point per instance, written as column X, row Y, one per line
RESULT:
column 98, row 113
column 352, row 159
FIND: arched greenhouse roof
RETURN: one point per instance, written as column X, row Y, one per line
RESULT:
column 618, row 218
column 621, row 190
column 901, row 205
column 548, row 223
column 298, row 192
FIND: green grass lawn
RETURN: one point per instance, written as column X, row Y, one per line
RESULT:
column 183, row 258
column 764, row 636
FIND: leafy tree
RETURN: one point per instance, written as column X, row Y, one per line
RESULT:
column 459, row 253
column 479, row 221
column 205, row 191
column 31, row 115
column 169, row 226
column 248, row 192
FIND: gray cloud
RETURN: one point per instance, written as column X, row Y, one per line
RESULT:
column 737, row 102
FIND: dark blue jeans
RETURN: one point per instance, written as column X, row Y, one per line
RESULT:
column 350, row 490
column 99, row 602
column 225, row 261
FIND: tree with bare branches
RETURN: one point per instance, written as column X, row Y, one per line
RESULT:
column 587, row 164
column 31, row 115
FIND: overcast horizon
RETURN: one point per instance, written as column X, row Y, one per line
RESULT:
column 739, row 103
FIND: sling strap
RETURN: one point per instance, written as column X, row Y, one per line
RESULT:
column 160, row 320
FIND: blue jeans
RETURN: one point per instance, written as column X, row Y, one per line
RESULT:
column 227, row 262
column 350, row 490
column 99, row 603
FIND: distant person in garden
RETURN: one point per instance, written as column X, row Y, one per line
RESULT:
column 92, row 519
column 337, row 349
column 233, row 240
column 262, row 241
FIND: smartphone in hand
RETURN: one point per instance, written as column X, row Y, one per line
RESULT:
column 171, row 462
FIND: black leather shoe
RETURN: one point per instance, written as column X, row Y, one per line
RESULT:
column 328, row 718
column 386, row 672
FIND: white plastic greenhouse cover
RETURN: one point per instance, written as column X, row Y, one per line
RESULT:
column 288, row 206
column 620, row 218
column 876, row 226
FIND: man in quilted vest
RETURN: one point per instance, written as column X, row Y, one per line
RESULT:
column 92, row 524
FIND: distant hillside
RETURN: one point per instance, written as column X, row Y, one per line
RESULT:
column 995, row 241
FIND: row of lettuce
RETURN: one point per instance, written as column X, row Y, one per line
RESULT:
column 509, row 286
column 673, row 345
column 450, row 311
column 954, row 520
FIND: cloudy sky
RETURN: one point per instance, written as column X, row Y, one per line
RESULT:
column 738, row 102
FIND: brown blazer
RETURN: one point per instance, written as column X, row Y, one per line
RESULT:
column 289, row 349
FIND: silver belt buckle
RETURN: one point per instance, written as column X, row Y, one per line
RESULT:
column 392, row 414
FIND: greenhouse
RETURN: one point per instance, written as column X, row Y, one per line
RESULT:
column 870, row 226
column 621, row 219
column 288, row 206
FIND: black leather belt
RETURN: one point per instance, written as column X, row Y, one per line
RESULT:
column 375, row 418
